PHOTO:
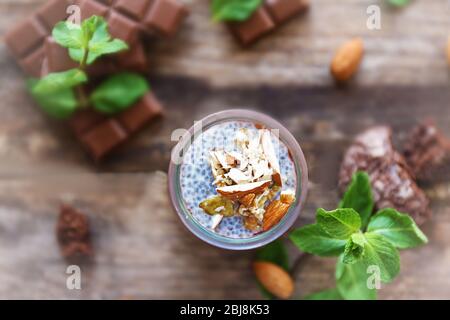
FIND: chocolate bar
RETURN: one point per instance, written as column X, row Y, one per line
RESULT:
column 267, row 18
column 126, row 20
column 426, row 149
column 393, row 184
column 73, row 234
column 100, row 135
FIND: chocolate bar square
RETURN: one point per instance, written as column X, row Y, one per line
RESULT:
column 85, row 120
column 58, row 58
column 32, row 63
column 165, row 16
column 134, row 8
column 259, row 24
column 104, row 138
column 25, row 37
column 145, row 110
column 283, row 10
column 91, row 8
column 123, row 28
column 135, row 59
column 53, row 12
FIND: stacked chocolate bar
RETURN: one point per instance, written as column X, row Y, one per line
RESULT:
column 32, row 46
column 267, row 18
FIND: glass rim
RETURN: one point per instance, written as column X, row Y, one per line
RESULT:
column 260, row 239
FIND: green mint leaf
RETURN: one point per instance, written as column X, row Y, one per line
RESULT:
column 234, row 10
column 55, row 82
column 330, row 294
column 359, row 197
column 400, row 229
column 340, row 223
column 60, row 104
column 276, row 253
column 119, row 92
column 351, row 281
column 313, row 239
column 399, row 3
column 378, row 251
column 68, row 35
column 97, row 40
column 354, row 248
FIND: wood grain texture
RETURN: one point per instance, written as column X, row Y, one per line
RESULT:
column 143, row 251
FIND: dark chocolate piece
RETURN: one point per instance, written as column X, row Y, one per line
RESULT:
column 57, row 57
column 259, row 24
column 393, row 183
column 145, row 110
column 104, row 138
column 165, row 16
column 283, row 10
column 426, row 149
column 85, row 120
column 32, row 63
column 265, row 19
column 73, row 234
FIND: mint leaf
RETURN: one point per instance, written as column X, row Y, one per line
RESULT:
column 274, row 252
column 340, row 223
column 330, row 294
column 119, row 92
column 354, row 248
column 96, row 40
column 351, row 281
column 60, row 80
column 399, row 3
column 68, row 35
column 60, row 104
column 313, row 239
column 400, row 229
column 378, row 251
column 234, row 10
column 359, row 197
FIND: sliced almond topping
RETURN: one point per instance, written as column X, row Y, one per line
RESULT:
column 274, row 213
column 235, row 192
column 247, row 200
column 238, row 176
column 287, row 197
column 270, row 154
column 215, row 221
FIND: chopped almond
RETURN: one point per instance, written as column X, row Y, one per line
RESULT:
column 274, row 213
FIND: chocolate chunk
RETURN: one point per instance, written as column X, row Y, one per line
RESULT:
column 26, row 37
column 85, row 120
column 283, row 10
column 426, row 149
column 135, row 59
column 145, row 110
column 135, row 8
column 104, row 138
column 73, row 234
column 392, row 181
column 91, row 8
column 165, row 16
column 32, row 64
column 123, row 28
column 259, row 24
column 58, row 58
column 53, row 12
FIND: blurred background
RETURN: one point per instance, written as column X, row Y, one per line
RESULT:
column 142, row 249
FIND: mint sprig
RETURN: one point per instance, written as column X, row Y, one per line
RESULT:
column 342, row 232
column 234, row 10
column 61, row 94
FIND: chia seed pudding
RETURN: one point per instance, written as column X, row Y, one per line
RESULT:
column 238, row 179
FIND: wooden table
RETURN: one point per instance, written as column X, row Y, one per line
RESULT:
column 143, row 251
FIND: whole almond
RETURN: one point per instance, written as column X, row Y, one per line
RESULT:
column 347, row 60
column 274, row 279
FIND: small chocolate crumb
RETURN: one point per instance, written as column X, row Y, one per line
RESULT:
column 73, row 234
column 393, row 183
column 426, row 149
